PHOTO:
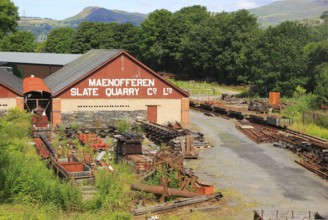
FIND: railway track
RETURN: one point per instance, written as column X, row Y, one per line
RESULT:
column 312, row 139
column 210, row 112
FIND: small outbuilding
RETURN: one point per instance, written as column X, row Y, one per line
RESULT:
column 40, row 65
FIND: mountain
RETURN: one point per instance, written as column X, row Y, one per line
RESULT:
column 40, row 27
column 284, row 10
column 97, row 14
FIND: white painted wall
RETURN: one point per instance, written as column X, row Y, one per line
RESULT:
column 7, row 103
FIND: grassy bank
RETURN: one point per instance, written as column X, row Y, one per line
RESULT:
column 296, row 107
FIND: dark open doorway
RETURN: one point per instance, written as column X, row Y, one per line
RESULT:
column 35, row 100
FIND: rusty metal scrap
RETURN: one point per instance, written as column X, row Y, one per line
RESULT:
column 42, row 150
column 168, row 158
column 95, row 142
column 171, row 162
column 178, row 139
column 176, row 204
column 159, row 190
column 141, row 163
column 255, row 133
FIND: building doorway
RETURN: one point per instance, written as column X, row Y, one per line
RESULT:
column 152, row 113
column 33, row 103
column 37, row 95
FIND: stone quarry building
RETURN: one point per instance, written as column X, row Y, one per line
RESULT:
column 96, row 88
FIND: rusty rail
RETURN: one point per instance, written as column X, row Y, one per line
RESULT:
column 41, row 148
column 158, row 190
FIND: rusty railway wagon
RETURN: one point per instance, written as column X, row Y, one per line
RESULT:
column 69, row 168
column 41, row 125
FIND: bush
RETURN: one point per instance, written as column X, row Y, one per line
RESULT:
column 299, row 105
column 24, row 177
column 123, row 126
column 322, row 121
column 113, row 191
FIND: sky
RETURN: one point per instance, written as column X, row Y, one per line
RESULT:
column 61, row 9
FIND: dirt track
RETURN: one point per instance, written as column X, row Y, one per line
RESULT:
column 255, row 176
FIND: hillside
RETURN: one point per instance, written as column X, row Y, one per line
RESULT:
column 280, row 11
column 40, row 27
column 97, row 14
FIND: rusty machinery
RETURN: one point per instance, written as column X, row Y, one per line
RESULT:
column 170, row 162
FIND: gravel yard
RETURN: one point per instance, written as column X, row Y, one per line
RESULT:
column 255, row 176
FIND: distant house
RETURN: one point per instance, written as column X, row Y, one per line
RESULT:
column 40, row 65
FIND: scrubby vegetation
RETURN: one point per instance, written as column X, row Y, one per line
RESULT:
column 302, row 106
column 25, row 181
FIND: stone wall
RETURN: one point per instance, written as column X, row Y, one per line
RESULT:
column 101, row 119
column 167, row 109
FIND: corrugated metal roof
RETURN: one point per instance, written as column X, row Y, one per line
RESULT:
column 32, row 84
column 11, row 81
column 78, row 68
column 38, row 58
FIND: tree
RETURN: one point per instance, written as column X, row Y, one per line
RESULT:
column 319, row 32
column 238, row 35
column 324, row 15
column 20, row 41
column 201, row 47
column 317, row 54
column 154, row 39
column 216, row 47
column 8, row 17
column 127, row 37
column 60, row 40
column 321, row 89
column 92, row 35
column 281, row 63
column 181, row 23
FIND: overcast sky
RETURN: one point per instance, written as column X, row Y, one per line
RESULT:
column 61, row 9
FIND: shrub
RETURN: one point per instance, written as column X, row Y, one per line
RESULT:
column 24, row 177
column 113, row 191
column 299, row 105
column 123, row 126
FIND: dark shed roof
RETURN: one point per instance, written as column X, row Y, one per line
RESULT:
column 37, row 58
column 78, row 68
column 11, row 81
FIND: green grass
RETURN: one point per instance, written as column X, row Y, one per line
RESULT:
column 204, row 88
column 311, row 129
column 297, row 106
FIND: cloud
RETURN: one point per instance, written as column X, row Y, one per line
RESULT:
column 246, row 4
